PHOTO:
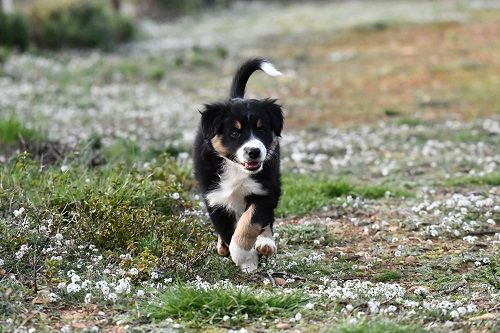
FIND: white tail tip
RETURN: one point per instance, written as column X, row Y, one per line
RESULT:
column 269, row 69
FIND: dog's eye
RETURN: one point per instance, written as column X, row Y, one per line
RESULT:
column 235, row 134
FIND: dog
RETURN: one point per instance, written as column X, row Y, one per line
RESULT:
column 237, row 167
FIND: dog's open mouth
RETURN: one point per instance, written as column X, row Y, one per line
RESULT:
column 252, row 166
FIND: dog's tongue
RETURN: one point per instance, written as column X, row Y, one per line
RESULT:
column 252, row 165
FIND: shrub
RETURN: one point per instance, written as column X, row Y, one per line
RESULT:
column 72, row 23
column 143, row 212
column 14, row 31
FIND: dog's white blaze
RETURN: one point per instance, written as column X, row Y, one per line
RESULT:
column 269, row 69
column 235, row 184
column 252, row 143
column 248, row 261
column 263, row 240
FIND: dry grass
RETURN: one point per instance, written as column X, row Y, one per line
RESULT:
column 432, row 71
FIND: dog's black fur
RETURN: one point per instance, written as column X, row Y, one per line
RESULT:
column 256, row 119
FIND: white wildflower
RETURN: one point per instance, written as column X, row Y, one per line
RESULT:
column 175, row 196
column 19, row 212
column 52, row 297
column 133, row 271
column 225, row 318
column 66, row 329
column 140, row 293
column 88, row 298
column 310, row 306
column 298, row 316
column 73, row 288
column 123, row 286
column 112, row 297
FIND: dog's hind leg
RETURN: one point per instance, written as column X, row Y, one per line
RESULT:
column 224, row 224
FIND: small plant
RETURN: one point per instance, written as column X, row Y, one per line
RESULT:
column 11, row 130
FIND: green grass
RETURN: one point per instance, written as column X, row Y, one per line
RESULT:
column 303, row 195
column 375, row 326
column 388, row 275
column 115, row 207
column 307, row 234
column 11, row 130
column 491, row 179
column 203, row 307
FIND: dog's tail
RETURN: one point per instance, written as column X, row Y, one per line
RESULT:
column 243, row 74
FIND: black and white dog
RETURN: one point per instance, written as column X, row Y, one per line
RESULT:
column 237, row 166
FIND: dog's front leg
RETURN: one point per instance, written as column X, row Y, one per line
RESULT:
column 253, row 236
column 242, row 243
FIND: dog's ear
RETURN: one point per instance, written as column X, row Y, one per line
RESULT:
column 275, row 115
column 212, row 118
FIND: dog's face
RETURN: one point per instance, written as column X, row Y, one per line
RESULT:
column 244, row 131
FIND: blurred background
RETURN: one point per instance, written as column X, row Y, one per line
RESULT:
column 136, row 71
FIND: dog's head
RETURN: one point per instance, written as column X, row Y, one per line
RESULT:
column 244, row 131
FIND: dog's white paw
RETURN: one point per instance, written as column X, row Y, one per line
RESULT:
column 247, row 260
column 265, row 245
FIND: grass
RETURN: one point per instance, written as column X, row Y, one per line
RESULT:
column 12, row 129
column 303, row 194
column 388, row 275
column 375, row 326
column 208, row 307
column 491, row 179
column 115, row 207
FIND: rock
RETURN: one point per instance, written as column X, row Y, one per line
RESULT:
column 279, row 281
column 410, row 260
column 283, row 326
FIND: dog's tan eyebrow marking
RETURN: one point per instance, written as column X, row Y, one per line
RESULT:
column 237, row 125
column 218, row 146
column 259, row 123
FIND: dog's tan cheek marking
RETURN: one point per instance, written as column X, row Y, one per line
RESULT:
column 218, row 146
column 265, row 249
column 246, row 232
column 237, row 125
column 222, row 248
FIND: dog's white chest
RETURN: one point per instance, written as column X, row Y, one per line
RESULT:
column 233, row 187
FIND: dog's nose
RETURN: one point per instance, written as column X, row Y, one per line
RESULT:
column 252, row 152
